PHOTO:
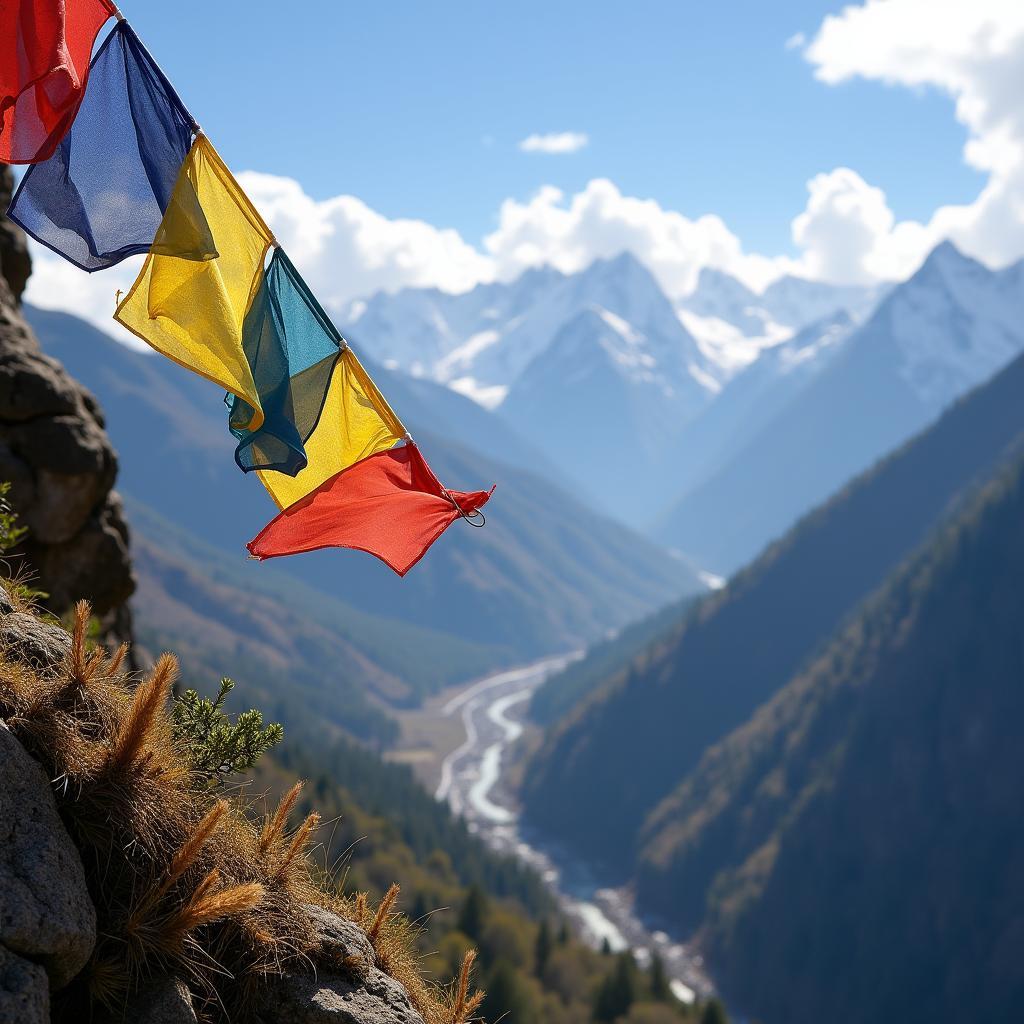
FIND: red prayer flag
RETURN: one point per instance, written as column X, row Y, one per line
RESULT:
column 45, row 46
column 390, row 505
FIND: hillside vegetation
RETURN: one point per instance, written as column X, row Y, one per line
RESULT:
column 607, row 764
column 853, row 852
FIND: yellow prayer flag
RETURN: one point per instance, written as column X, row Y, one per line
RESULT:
column 356, row 422
column 190, row 299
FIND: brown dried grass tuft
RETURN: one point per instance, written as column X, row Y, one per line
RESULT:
column 183, row 882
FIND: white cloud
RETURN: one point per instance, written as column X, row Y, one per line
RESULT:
column 974, row 52
column 848, row 234
column 554, row 142
column 795, row 41
column 347, row 250
column 56, row 284
column 570, row 232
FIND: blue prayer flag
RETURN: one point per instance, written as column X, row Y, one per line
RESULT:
column 103, row 193
column 292, row 347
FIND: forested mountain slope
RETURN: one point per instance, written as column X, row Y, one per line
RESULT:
column 859, row 840
column 603, row 769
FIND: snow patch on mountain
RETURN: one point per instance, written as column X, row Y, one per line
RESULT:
column 725, row 347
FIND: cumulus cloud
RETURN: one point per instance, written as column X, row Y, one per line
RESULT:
column 347, row 250
column 554, row 142
column 974, row 52
column 56, row 284
column 848, row 234
column 570, row 232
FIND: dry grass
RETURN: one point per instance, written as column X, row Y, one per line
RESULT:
column 183, row 882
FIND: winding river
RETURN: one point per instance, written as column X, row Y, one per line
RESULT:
column 473, row 784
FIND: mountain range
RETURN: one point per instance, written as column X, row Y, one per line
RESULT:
column 949, row 327
column 606, row 765
column 714, row 422
column 812, row 771
column 598, row 369
column 546, row 575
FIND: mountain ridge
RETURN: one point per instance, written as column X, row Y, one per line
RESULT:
column 929, row 341
column 491, row 587
column 696, row 682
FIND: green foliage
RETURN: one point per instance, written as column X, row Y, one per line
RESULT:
column 506, row 998
column 618, row 991
column 542, row 948
column 383, row 827
column 471, row 916
column 707, row 674
column 658, row 980
column 713, row 1013
column 11, row 534
column 217, row 746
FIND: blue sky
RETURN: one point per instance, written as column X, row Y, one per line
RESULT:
column 417, row 108
column 837, row 142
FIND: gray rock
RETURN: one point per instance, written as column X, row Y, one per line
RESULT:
column 56, row 454
column 163, row 1001
column 24, row 991
column 348, row 989
column 342, row 941
column 27, row 639
column 15, row 263
column 69, row 571
column 46, row 914
column 329, row 998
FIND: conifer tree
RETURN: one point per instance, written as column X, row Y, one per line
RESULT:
column 505, row 1000
column 713, row 1013
column 658, row 980
column 472, row 913
column 542, row 948
column 618, row 990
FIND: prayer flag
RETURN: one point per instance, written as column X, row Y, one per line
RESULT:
column 390, row 505
column 45, row 47
column 102, row 195
column 292, row 347
column 356, row 422
column 206, row 262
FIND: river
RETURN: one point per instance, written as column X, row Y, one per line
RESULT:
column 473, row 784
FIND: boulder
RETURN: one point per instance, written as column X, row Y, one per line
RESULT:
column 46, row 914
column 352, row 990
column 330, row 998
column 27, row 639
column 342, row 942
column 57, row 456
column 24, row 991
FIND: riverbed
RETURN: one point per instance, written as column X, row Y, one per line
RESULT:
column 473, row 783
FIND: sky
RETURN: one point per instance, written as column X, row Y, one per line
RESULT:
column 397, row 144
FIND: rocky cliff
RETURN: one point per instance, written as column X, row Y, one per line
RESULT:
column 55, row 452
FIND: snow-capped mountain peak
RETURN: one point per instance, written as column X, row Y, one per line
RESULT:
column 953, row 324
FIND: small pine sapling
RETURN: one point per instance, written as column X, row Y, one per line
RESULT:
column 218, row 747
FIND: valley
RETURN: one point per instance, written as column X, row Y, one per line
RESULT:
column 473, row 781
